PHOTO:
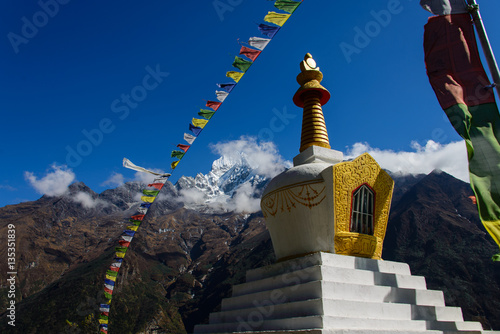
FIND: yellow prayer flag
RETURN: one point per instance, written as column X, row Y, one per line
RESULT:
column 174, row 164
column 120, row 255
column 236, row 76
column 148, row 199
column 102, row 321
column 200, row 122
column 111, row 278
column 132, row 228
column 276, row 18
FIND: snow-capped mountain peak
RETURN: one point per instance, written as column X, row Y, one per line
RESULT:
column 220, row 184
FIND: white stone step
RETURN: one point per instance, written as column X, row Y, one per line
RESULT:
column 327, row 259
column 340, row 308
column 338, row 291
column 331, row 274
column 317, row 322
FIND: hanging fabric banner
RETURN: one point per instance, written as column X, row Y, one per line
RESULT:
column 120, row 254
column 206, row 113
column 228, row 87
column 174, row 164
column 183, row 147
column 142, row 210
column 156, row 185
column 146, row 205
column 288, row 6
column 128, row 164
column 189, row 138
column 199, row 122
column 463, row 91
column 249, row 53
column 241, row 64
column 258, row 42
column 236, row 76
column 124, row 243
column 126, row 238
column 150, row 193
column 276, row 18
column 267, row 30
column 221, row 95
column 141, row 217
column 147, row 199
column 195, row 130
column 129, row 233
column 214, row 105
column 177, row 154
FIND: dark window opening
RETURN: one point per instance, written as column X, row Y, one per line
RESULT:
column 362, row 210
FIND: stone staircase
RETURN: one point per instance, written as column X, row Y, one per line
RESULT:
column 327, row 293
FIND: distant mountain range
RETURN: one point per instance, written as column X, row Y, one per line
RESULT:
column 193, row 246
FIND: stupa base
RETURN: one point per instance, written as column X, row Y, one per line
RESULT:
column 327, row 293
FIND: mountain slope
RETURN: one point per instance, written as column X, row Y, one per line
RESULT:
column 435, row 228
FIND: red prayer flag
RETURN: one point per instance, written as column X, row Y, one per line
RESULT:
column 184, row 147
column 453, row 64
column 137, row 217
column 250, row 53
column 214, row 105
column 114, row 268
column 108, row 290
column 156, row 185
column 124, row 243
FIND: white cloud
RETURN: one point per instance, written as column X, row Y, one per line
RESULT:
column 191, row 196
column 243, row 200
column 116, row 179
column 87, row 201
column 263, row 156
column 450, row 158
column 54, row 183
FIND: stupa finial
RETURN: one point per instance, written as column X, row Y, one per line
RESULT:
column 311, row 96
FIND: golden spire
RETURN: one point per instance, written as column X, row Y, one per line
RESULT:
column 311, row 96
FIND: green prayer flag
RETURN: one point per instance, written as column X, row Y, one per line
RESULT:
column 479, row 126
column 206, row 113
column 112, row 273
column 177, row 154
column 288, row 6
column 108, row 296
column 136, row 222
column 121, row 249
column 150, row 192
column 241, row 64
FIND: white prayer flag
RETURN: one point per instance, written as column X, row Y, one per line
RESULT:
column 128, row 164
column 258, row 42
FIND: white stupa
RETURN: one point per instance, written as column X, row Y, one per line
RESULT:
column 327, row 220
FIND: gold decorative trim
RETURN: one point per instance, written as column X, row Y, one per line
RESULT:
column 308, row 194
column 356, row 244
column 347, row 177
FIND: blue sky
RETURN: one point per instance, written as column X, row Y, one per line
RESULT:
column 61, row 80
